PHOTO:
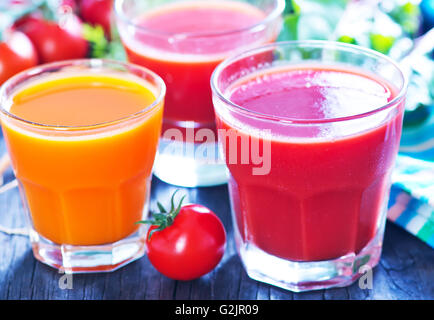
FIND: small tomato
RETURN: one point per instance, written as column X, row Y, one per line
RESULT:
column 16, row 54
column 185, row 243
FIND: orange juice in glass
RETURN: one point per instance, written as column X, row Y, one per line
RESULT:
column 82, row 137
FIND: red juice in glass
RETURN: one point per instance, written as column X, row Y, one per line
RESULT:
column 183, row 41
column 328, row 134
column 186, row 72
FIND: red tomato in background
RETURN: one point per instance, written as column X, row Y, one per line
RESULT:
column 34, row 16
column 97, row 12
column 16, row 54
column 55, row 41
column 189, row 248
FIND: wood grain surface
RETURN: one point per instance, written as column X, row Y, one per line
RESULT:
column 405, row 271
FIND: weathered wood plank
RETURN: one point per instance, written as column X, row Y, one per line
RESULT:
column 405, row 272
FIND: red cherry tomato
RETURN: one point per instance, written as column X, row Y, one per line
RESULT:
column 21, row 22
column 97, row 12
column 189, row 248
column 54, row 41
column 16, row 54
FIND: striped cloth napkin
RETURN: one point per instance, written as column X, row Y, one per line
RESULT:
column 411, row 203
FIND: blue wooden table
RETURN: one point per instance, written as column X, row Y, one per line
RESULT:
column 406, row 270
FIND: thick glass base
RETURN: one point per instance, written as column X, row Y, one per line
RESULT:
column 189, row 164
column 305, row 276
column 88, row 259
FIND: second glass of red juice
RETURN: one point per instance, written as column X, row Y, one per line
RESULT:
column 310, row 131
column 183, row 41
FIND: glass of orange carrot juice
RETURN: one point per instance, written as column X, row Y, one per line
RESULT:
column 82, row 136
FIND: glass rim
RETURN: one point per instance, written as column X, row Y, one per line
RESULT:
column 275, row 13
column 90, row 64
column 312, row 44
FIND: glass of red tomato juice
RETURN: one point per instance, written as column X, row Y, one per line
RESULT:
column 309, row 131
column 183, row 41
column 82, row 137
